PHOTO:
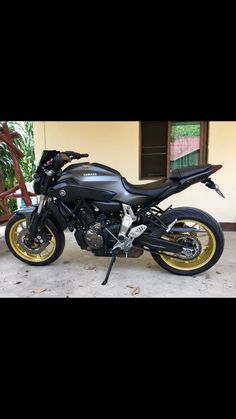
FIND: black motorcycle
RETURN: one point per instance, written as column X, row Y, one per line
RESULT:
column 112, row 217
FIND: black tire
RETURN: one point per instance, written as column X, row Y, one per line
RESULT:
column 206, row 219
column 58, row 236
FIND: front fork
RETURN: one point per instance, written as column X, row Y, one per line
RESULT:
column 37, row 221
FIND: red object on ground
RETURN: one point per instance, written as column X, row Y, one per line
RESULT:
column 7, row 137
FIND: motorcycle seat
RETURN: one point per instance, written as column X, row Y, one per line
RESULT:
column 157, row 188
column 151, row 189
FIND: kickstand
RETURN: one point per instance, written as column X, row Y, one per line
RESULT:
column 113, row 259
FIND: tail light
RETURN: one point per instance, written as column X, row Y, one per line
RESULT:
column 215, row 168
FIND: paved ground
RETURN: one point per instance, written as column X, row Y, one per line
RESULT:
column 78, row 274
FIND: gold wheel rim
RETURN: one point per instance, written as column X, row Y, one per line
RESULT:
column 37, row 258
column 207, row 252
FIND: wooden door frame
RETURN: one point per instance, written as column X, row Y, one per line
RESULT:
column 204, row 132
column 204, row 142
column 140, row 156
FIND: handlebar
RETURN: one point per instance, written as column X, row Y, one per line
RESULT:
column 72, row 155
column 52, row 166
column 62, row 158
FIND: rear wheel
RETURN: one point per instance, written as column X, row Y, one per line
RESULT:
column 43, row 251
column 207, row 242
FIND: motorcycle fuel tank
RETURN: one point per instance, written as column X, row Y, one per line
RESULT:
column 93, row 181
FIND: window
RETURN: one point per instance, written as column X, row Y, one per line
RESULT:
column 168, row 145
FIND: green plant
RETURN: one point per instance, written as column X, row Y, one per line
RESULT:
column 179, row 130
column 26, row 144
column 6, row 166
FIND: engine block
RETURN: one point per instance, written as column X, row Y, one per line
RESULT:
column 93, row 236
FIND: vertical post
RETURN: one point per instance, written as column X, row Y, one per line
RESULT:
column 7, row 137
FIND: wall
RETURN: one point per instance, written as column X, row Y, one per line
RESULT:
column 116, row 144
column 110, row 143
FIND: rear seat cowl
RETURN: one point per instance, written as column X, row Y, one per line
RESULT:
column 189, row 171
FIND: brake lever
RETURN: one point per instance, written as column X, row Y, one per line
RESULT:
column 70, row 154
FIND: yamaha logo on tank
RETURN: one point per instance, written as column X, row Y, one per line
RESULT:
column 90, row 174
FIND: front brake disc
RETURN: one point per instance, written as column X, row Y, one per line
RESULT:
column 38, row 247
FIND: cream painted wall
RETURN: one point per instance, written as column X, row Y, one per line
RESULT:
column 221, row 150
column 110, row 143
column 116, row 144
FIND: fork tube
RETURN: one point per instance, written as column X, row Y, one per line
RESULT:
column 41, row 202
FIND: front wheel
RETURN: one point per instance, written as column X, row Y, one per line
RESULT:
column 43, row 251
column 207, row 242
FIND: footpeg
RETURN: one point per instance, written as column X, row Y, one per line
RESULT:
column 134, row 233
column 126, row 244
column 137, row 231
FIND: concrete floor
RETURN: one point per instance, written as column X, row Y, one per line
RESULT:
column 79, row 274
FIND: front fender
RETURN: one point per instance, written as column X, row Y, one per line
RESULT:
column 27, row 212
column 53, row 214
